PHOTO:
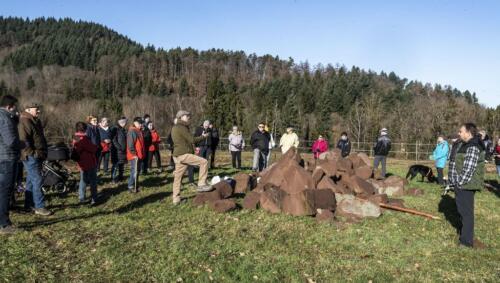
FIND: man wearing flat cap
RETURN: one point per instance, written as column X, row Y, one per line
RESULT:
column 184, row 156
column 35, row 152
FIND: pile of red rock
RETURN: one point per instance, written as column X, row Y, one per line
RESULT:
column 326, row 187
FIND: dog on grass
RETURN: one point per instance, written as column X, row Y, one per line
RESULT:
column 424, row 171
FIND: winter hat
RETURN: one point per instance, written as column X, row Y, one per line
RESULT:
column 383, row 132
column 181, row 113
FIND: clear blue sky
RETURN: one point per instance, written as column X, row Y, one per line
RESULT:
column 447, row 42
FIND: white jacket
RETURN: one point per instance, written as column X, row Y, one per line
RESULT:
column 289, row 140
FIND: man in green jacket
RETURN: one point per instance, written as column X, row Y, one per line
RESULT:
column 466, row 175
column 184, row 156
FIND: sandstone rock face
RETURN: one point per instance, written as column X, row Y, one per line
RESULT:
column 358, row 207
column 223, row 205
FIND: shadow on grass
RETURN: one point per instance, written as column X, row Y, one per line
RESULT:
column 51, row 221
column 142, row 202
column 493, row 187
column 448, row 207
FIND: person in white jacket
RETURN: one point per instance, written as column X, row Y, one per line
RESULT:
column 236, row 145
column 289, row 140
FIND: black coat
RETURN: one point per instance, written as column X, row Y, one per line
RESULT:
column 206, row 142
column 344, row 146
column 383, row 146
column 261, row 141
column 215, row 139
column 148, row 139
column 119, row 145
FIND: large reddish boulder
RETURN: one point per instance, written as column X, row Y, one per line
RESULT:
column 243, row 183
column 324, row 199
column 394, row 186
column 224, row 189
column 361, row 186
column 223, row 205
column 345, row 166
column 364, row 158
column 272, row 199
column 379, row 198
column 328, row 167
column 317, row 175
column 296, row 179
column 203, row 198
column 251, row 200
column 324, row 216
column 358, row 207
column 299, row 204
column 356, row 161
column 364, row 172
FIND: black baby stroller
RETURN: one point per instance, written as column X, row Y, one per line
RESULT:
column 56, row 177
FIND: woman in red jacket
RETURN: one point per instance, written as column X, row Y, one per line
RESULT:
column 319, row 146
column 154, row 148
column 87, row 162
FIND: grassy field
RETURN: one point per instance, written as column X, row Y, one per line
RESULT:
column 143, row 237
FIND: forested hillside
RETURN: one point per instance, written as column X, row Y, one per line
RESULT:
column 78, row 68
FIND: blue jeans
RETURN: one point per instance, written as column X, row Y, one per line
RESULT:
column 117, row 169
column 133, row 180
column 33, row 196
column 88, row 178
column 498, row 170
column 8, row 170
column 380, row 159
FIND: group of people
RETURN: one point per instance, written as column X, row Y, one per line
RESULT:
column 22, row 142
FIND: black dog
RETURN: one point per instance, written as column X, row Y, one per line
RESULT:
column 424, row 171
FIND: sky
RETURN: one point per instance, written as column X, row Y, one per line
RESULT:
column 447, row 42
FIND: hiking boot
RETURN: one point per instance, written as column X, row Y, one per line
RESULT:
column 204, row 188
column 93, row 202
column 43, row 211
column 8, row 230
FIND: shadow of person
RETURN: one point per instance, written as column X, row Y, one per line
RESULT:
column 448, row 207
column 493, row 187
column 142, row 202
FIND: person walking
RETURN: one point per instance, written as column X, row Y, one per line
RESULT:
column 105, row 135
column 154, row 148
column 344, row 144
column 381, row 150
column 184, row 155
column 259, row 141
column 319, row 146
column 440, row 155
column 87, row 163
column 31, row 133
column 466, row 176
column 135, row 153
column 236, row 145
column 10, row 151
column 289, row 140
column 118, row 150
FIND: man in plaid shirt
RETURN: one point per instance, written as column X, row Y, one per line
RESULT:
column 466, row 175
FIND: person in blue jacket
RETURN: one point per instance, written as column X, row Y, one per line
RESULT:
column 440, row 155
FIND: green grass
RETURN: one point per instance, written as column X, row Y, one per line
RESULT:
column 143, row 237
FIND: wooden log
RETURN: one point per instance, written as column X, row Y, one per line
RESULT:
column 407, row 210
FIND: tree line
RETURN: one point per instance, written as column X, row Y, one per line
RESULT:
column 90, row 69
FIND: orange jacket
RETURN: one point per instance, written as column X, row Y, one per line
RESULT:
column 135, row 144
column 155, row 138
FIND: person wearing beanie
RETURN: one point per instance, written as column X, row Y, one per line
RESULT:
column 184, row 155
column 154, row 148
column 344, row 144
column 381, row 150
column 118, row 150
column 148, row 140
